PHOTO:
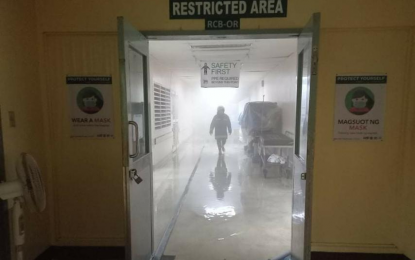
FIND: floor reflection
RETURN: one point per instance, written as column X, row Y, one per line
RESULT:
column 170, row 177
column 227, row 211
column 221, row 178
column 231, row 211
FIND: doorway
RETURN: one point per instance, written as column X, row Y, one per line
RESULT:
column 244, row 185
column 239, row 201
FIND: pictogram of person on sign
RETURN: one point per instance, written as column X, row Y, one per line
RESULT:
column 205, row 68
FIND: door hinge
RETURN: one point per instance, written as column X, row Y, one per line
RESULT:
column 303, row 176
column 314, row 60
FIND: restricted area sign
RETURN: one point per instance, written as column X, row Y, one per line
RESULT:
column 220, row 74
column 360, row 105
column 201, row 9
column 226, row 15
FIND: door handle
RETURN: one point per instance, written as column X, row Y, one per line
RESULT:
column 134, row 176
column 136, row 143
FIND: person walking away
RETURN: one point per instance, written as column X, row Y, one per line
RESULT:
column 222, row 126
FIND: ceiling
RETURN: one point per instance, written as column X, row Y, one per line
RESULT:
column 258, row 56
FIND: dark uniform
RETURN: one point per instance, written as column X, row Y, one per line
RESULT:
column 222, row 125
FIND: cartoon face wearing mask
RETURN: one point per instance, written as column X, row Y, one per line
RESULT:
column 361, row 102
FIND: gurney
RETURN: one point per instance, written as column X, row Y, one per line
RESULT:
column 259, row 118
column 261, row 124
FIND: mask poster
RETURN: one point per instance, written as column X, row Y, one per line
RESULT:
column 90, row 106
column 359, row 108
column 220, row 74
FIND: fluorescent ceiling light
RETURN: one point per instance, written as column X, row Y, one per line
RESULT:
column 221, row 50
column 221, row 46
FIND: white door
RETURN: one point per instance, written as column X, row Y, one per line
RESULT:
column 304, row 138
column 136, row 133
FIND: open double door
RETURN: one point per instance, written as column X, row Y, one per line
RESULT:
column 136, row 134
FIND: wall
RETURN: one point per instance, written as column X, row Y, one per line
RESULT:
column 368, row 179
column 87, row 174
column 92, row 166
column 161, row 75
column 154, row 15
column 166, row 77
column 172, row 172
column 20, row 92
column 357, row 185
column 407, row 192
column 280, row 85
column 185, row 93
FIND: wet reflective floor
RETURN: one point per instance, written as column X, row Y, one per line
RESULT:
column 170, row 179
column 231, row 211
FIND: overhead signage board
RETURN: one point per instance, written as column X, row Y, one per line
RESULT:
column 359, row 109
column 220, row 74
column 226, row 14
column 90, row 106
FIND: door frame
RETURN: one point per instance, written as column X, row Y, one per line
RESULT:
column 5, row 234
column 283, row 33
column 222, row 35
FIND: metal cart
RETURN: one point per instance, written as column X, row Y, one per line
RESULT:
column 275, row 145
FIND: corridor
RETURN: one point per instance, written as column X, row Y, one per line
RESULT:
column 231, row 211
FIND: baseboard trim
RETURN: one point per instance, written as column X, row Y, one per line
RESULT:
column 89, row 242
column 355, row 248
column 84, row 253
column 118, row 253
column 355, row 256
